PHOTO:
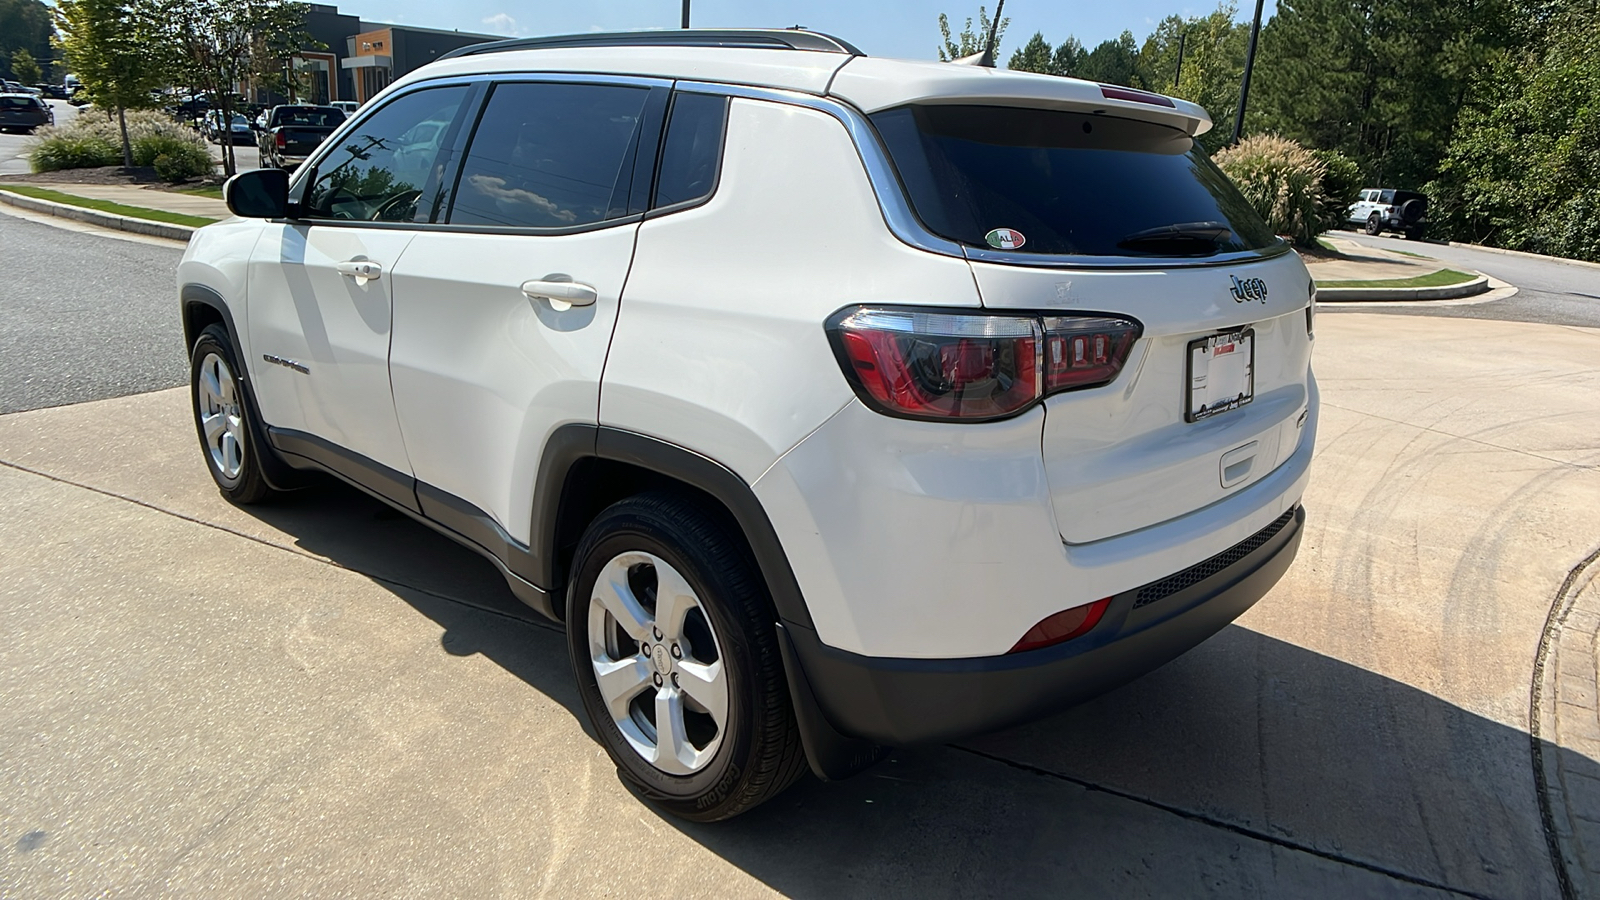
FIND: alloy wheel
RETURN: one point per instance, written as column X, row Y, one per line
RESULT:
column 657, row 663
column 221, row 418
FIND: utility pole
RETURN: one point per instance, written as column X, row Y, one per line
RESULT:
column 686, row 13
column 1249, row 63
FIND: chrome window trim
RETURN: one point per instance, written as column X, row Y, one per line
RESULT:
column 903, row 221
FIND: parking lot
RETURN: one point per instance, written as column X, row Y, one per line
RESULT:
column 322, row 698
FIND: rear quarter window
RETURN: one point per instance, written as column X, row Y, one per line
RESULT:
column 1057, row 182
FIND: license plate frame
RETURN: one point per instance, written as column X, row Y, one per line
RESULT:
column 1206, row 371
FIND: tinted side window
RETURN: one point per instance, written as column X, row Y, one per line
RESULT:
column 550, row 156
column 379, row 170
column 693, row 149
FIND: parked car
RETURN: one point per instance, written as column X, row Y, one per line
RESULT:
column 238, row 131
column 24, row 112
column 53, row 91
column 942, row 398
column 348, row 107
column 291, row 133
column 1386, row 209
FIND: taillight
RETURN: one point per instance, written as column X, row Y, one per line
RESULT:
column 1311, row 311
column 281, row 140
column 927, row 364
column 1062, row 626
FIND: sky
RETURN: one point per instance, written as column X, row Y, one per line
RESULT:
column 896, row 28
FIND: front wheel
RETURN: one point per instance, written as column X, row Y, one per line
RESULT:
column 674, row 645
column 222, row 418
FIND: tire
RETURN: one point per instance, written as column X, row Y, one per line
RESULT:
column 727, row 634
column 223, row 419
column 1374, row 224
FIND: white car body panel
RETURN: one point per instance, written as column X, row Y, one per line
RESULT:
column 1121, row 457
column 877, row 84
column 218, row 257
column 482, row 373
column 303, row 310
column 720, row 347
column 922, row 540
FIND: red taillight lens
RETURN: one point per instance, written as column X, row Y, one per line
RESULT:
column 281, row 141
column 974, row 366
column 1063, row 626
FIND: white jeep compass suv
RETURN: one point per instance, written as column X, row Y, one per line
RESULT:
column 833, row 403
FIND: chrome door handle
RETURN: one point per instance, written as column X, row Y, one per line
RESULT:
column 570, row 293
column 360, row 269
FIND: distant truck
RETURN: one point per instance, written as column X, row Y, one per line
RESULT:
column 291, row 133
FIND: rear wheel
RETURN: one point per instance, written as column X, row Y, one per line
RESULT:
column 222, row 418
column 674, row 646
column 1374, row 224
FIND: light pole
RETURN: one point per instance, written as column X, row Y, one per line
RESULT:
column 1249, row 63
column 686, row 13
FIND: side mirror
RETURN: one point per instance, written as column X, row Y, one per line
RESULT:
column 258, row 194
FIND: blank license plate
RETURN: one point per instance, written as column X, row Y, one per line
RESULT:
column 1222, row 373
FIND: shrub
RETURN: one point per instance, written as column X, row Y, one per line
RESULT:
column 1282, row 180
column 1341, row 186
column 174, row 159
column 66, row 151
column 94, row 139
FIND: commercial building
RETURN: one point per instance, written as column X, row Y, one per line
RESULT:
column 355, row 59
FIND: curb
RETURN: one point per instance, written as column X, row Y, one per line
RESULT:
column 1526, row 255
column 1567, row 734
column 96, row 217
column 1447, row 292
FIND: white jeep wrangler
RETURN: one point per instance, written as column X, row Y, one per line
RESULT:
column 833, row 403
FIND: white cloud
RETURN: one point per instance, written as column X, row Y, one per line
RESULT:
column 501, row 23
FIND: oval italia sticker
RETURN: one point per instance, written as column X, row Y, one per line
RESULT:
column 1005, row 239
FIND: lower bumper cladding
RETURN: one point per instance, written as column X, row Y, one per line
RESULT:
column 895, row 702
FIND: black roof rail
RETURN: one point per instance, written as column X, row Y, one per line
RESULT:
column 745, row 38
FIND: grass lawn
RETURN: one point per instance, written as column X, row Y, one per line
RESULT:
column 116, row 209
column 1401, row 252
column 1440, row 278
column 1327, row 246
column 211, row 191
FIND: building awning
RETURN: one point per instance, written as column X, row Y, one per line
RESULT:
column 367, row 62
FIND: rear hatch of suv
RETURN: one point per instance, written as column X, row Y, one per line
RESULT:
column 1076, row 212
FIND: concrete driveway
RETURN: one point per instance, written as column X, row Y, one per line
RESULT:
column 321, row 698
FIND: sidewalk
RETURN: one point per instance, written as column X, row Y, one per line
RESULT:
column 147, row 197
column 1364, row 274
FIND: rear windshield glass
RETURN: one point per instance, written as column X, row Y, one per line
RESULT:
column 310, row 116
column 1047, row 181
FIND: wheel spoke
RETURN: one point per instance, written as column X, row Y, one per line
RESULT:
column 674, row 599
column 211, row 391
column 225, row 378
column 613, row 593
column 620, row 681
column 214, row 425
column 230, row 455
column 674, row 753
column 705, row 684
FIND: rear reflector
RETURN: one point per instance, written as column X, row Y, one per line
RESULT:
column 927, row 364
column 1063, row 626
column 1112, row 92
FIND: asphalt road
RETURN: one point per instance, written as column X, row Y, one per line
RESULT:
column 84, row 317
column 1550, row 292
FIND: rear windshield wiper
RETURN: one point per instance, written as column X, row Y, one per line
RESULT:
column 1185, row 233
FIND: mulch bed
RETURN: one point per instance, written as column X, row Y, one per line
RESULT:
column 139, row 175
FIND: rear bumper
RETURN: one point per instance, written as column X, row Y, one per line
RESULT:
column 909, row 701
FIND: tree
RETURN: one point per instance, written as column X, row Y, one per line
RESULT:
column 1213, row 65
column 1034, row 56
column 1069, row 58
column 969, row 41
column 217, row 45
column 24, row 25
column 24, row 68
column 1115, row 61
column 108, row 51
